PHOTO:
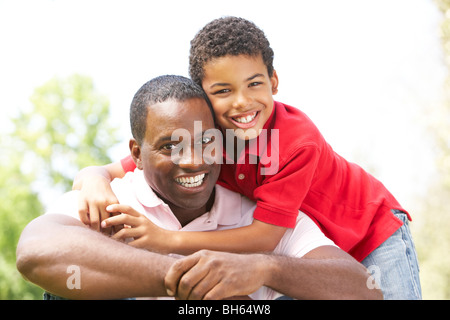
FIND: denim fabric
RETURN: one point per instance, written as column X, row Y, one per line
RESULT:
column 394, row 265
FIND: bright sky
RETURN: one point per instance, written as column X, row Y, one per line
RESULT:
column 365, row 71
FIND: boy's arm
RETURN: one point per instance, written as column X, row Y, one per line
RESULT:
column 257, row 237
column 96, row 193
column 108, row 172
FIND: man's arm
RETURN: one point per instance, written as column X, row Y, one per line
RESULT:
column 108, row 269
column 324, row 273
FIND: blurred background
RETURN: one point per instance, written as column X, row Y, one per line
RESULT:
column 372, row 74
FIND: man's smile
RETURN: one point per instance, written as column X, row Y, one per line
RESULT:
column 192, row 181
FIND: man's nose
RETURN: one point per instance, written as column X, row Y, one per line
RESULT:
column 191, row 157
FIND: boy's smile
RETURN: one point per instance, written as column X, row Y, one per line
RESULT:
column 240, row 91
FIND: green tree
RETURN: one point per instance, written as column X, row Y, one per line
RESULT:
column 433, row 238
column 65, row 129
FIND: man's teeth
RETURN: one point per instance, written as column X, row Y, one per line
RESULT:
column 246, row 119
column 191, row 182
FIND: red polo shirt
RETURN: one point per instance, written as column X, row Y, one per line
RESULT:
column 350, row 206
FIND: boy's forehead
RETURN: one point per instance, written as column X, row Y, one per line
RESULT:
column 243, row 64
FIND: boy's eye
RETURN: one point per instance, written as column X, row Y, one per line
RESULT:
column 254, row 84
column 222, row 91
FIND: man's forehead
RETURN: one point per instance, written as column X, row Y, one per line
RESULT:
column 164, row 118
column 173, row 106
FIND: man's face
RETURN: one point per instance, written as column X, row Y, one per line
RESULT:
column 183, row 183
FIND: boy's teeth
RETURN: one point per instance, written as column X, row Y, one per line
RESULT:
column 191, row 182
column 246, row 119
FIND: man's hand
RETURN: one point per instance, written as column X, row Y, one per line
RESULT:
column 146, row 234
column 212, row 275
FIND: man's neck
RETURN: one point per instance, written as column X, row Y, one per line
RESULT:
column 185, row 216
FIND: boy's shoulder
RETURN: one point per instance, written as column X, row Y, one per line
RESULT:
column 293, row 124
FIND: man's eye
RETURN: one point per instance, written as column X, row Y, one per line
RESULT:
column 207, row 140
column 169, row 146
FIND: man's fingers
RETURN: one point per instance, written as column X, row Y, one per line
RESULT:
column 176, row 271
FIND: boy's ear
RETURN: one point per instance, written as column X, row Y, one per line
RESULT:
column 135, row 150
column 274, row 81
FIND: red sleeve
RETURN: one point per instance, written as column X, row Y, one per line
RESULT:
column 128, row 164
column 280, row 196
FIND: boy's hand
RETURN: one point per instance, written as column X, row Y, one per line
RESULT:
column 146, row 234
column 95, row 195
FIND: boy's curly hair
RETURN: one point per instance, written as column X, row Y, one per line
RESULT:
column 227, row 36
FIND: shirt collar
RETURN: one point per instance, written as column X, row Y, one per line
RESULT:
column 226, row 209
column 144, row 194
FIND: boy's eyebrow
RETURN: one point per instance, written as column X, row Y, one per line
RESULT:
column 255, row 76
column 224, row 84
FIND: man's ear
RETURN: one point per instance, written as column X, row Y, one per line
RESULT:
column 274, row 81
column 135, row 150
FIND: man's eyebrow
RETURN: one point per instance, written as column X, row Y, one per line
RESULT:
column 164, row 139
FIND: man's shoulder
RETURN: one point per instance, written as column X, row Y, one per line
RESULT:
column 66, row 204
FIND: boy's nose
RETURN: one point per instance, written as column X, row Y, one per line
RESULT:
column 241, row 101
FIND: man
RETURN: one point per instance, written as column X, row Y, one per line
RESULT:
column 158, row 200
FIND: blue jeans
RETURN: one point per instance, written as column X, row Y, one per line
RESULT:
column 394, row 265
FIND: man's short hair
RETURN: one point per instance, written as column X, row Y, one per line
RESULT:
column 227, row 36
column 157, row 90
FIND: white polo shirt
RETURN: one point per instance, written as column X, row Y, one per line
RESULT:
column 230, row 210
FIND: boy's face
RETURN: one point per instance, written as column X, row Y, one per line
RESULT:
column 169, row 180
column 240, row 91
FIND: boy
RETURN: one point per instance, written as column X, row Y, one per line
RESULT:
column 232, row 60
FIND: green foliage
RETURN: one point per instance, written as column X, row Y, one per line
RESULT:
column 66, row 129
column 433, row 238
column 18, row 207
